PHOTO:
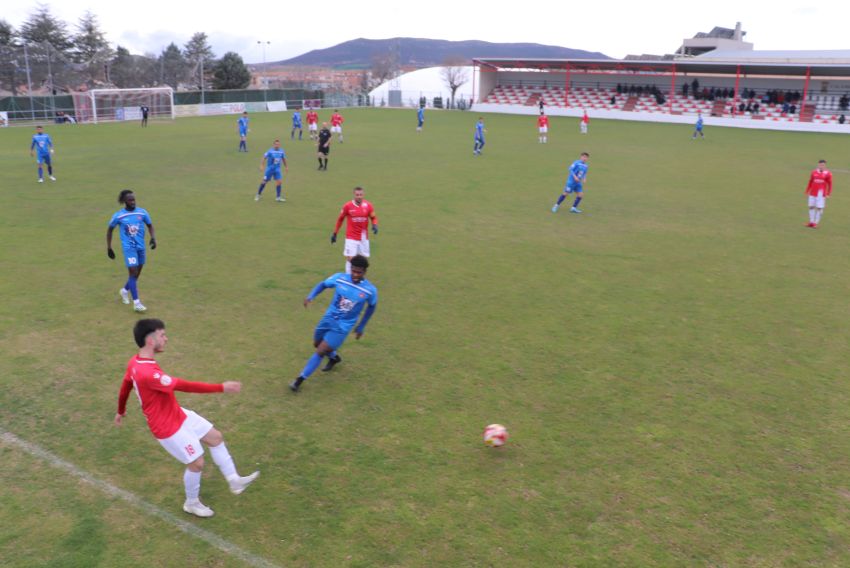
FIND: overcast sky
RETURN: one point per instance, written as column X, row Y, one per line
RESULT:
column 609, row 26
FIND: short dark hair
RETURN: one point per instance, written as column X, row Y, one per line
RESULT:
column 358, row 188
column 360, row 261
column 145, row 327
column 821, row 161
column 585, row 154
column 123, row 195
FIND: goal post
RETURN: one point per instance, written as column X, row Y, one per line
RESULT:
column 126, row 104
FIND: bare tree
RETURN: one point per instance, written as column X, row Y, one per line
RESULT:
column 384, row 67
column 454, row 74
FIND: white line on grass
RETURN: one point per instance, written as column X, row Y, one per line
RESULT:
column 109, row 489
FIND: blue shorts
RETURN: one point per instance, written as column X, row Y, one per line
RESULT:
column 274, row 171
column 331, row 332
column 43, row 158
column 243, row 133
column 421, row 122
column 296, row 125
column 573, row 189
column 134, row 256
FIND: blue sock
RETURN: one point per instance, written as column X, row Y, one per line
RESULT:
column 277, row 188
column 577, row 201
column 49, row 170
column 312, row 364
column 40, row 172
column 561, row 198
column 134, row 289
column 262, row 187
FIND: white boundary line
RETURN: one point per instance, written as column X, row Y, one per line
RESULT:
column 113, row 491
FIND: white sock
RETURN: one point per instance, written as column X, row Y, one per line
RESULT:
column 222, row 459
column 137, row 302
column 192, row 484
column 818, row 213
column 812, row 214
column 348, row 267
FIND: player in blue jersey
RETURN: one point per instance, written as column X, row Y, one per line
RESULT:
column 420, row 118
column 351, row 293
column 479, row 137
column 42, row 149
column 698, row 128
column 270, row 164
column 131, row 222
column 575, row 183
column 296, row 125
column 243, row 132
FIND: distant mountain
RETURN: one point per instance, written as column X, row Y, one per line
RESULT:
column 415, row 52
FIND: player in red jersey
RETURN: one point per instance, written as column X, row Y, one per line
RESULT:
column 542, row 127
column 312, row 123
column 358, row 211
column 180, row 431
column 818, row 190
column 336, row 124
column 585, row 120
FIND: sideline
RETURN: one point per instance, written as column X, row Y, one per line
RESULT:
column 113, row 491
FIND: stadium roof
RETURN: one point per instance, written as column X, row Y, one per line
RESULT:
column 692, row 66
column 807, row 57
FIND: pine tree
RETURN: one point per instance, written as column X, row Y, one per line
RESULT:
column 231, row 72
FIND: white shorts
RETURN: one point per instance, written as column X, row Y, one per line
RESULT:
column 336, row 129
column 353, row 248
column 543, row 129
column 818, row 202
column 312, row 127
column 185, row 443
column 583, row 126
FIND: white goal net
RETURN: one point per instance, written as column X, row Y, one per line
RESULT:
column 126, row 104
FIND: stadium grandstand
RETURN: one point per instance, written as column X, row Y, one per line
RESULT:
column 716, row 74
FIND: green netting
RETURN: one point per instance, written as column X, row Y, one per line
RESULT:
column 245, row 96
column 36, row 108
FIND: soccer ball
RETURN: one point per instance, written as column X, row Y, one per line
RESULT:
column 495, row 435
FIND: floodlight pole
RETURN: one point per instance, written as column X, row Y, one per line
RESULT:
column 202, row 80
column 29, row 81
column 265, row 79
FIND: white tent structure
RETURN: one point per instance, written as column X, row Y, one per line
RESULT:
column 428, row 83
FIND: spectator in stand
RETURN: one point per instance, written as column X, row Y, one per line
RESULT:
column 755, row 108
column 792, row 109
column 685, row 90
column 613, row 99
column 841, row 119
column 695, row 86
column 785, row 108
column 742, row 107
column 844, row 102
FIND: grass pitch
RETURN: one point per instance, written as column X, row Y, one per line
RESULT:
column 671, row 364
